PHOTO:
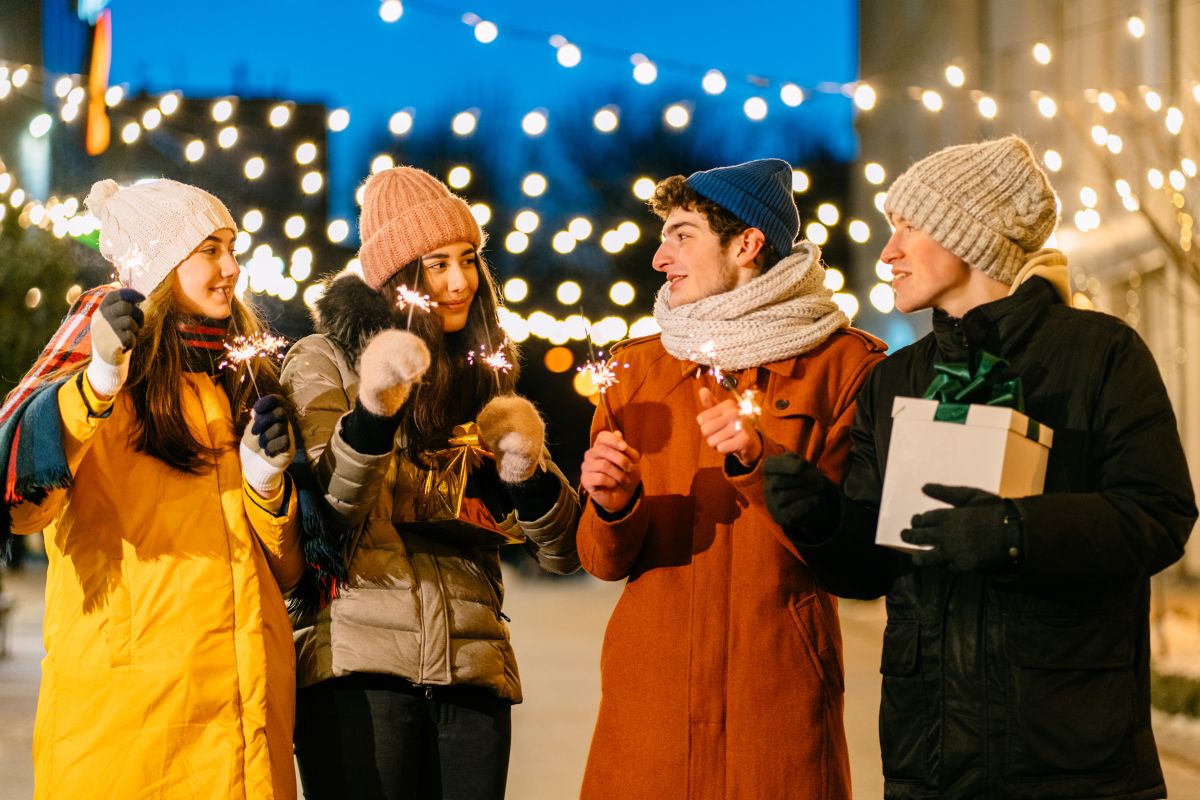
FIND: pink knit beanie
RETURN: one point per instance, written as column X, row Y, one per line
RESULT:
column 406, row 213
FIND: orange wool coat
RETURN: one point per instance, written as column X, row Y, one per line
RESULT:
column 721, row 671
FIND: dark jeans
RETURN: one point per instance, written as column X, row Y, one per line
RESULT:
column 378, row 737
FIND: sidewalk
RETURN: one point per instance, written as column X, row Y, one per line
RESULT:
column 558, row 625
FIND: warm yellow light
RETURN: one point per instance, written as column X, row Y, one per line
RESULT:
column 859, row 231
column 955, row 75
column 339, row 120
column 931, row 100
column 713, row 82
column 1155, row 178
column 486, row 31
column 621, row 293
column 535, row 122
column 828, row 213
column 151, row 119
column 1100, row 135
column 526, row 221
column 755, row 108
column 864, row 96
column 800, row 181
column 563, row 242
column 516, row 242
column 1052, row 160
column 131, row 132
column 791, row 95
column 847, row 302
column 606, row 119
column 391, row 10
column 677, row 116
column 482, row 213
column 534, row 184
column 834, row 279
column 1047, row 107
column 580, row 228
column 280, row 115
column 643, row 188
column 400, row 123
column 1088, row 196
column 254, row 168
column 569, row 55
column 312, row 182
column 294, row 227
column 40, row 125
column 515, row 290
column 612, row 242
column 816, row 233
column 464, row 123
column 1107, row 103
column 1137, row 27
column 1174, row 121
column 252, row 220
column 883, row 298
column 382, row 163
column 337, row 231
column 458, row 177
column 1153, row 101
column 222, row 110
column 645, row 72
column 568, row 293
column 306, row 153
column 629, row 231
column 987, row 107
column 1041, row 53
column 874, row 173
column 227, row 137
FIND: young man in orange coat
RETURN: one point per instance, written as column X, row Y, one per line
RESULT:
column 722, row 666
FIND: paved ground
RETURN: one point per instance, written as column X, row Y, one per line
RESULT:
column 557, row 628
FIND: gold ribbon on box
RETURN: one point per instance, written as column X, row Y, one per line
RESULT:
column 441, row 490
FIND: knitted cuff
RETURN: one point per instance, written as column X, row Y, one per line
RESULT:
column 369, row 434
column 261, row 475
column 106, row 379
column 535, row 497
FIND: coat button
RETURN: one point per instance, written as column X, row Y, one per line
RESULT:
column 781, row 404
column 728, row 382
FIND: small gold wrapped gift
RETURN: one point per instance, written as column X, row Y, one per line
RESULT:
column 440, row 496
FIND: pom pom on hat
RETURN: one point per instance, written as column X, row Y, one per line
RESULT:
column 147, row 229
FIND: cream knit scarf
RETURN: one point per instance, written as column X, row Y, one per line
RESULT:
column 781, row 313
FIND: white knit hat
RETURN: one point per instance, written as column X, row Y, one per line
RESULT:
column 988, row 203
column 147, row 229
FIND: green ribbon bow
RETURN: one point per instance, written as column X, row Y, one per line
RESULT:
column 957, row 386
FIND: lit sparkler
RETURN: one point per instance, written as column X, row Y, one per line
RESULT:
column 243, row 349
column 494, row 359
column 407, row 298
column 747, row 401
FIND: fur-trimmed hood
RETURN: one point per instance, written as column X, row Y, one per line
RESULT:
column 351, row 312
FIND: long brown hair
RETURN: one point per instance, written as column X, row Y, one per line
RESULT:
column 155, row 375
column 457, row 385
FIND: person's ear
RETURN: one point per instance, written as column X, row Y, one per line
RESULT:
column 750, row 244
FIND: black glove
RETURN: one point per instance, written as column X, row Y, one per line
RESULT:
column 114, row 329
column 267, row 446
column 802, row 500
column 981, row 533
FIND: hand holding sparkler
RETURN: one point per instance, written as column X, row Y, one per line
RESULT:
column 723, row 425
column 513, row 431
column 389, row 366
column 611, row 472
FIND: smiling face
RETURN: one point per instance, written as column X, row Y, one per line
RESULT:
column 695, row 262
column 450, row 276
column 925, row 274
column 203, row 282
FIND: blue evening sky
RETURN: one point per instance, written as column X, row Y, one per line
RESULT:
column 343, row 54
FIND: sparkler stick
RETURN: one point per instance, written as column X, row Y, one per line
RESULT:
column 747, row 401
column 602, row 373
column 243, row 349
column 496, row 360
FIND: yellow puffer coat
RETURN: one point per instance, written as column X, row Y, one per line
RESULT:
column 169, row 669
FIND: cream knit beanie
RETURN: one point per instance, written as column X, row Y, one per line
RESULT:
column 147, row 229
column 406, row 213
column 988, row 203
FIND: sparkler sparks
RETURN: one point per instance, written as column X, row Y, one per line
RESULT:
column 602, row 373
column 244, row 348
column 407, row 298
column 496, row 359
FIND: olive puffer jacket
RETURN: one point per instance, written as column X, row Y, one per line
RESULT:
column 416, row 604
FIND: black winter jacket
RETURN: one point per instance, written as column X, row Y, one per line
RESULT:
column 1033, row 684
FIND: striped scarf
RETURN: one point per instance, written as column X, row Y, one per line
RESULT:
column 203, row 343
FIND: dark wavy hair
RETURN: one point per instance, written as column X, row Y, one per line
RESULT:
column 457, row 384
column 673, row 192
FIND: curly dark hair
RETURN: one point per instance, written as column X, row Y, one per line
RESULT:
column 673, row 192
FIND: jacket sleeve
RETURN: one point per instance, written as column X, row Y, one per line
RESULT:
column 1139, row 517
column 349, row 480
column 608, row 547
column 849, row 563
column 276, row 523
column 551, row 537
column 79, row 427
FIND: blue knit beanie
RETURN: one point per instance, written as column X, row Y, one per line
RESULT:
column 759, row 193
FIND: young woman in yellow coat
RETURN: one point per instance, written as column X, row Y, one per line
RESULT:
column 169, row 668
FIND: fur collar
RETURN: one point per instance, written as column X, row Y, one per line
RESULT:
column 351, row 312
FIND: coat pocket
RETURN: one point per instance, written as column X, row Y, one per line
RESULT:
column 906, row 729
column 823, row 645
column 1072, row 694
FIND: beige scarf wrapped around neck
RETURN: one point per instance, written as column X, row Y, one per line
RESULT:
column 782, row 313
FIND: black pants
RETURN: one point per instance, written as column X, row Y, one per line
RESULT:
column 378, row 737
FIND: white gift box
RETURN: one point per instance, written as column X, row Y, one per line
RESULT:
column 997, row 449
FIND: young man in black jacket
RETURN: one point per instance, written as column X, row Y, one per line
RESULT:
column 1016, row 653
